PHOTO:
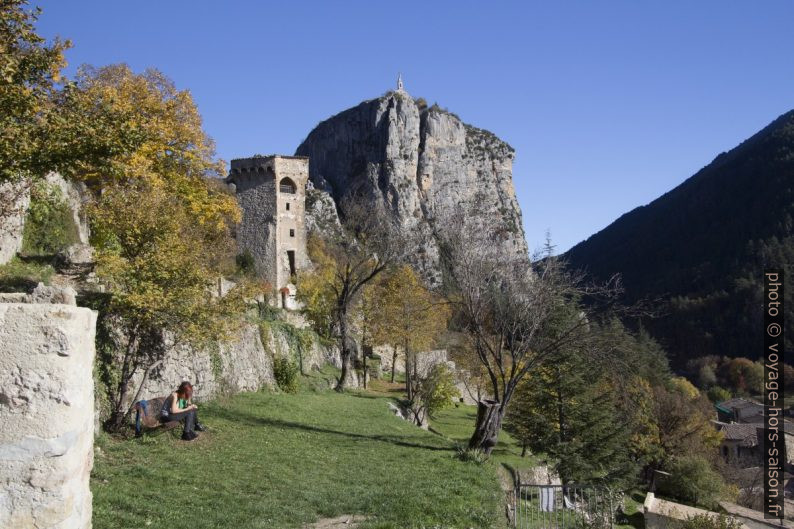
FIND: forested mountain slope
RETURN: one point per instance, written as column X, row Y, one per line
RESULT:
column 699, row 251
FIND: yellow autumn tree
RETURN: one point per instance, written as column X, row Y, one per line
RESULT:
column 155, row 135
column 407, row 316
column 161, row 219
column 29, row 73
column 318, row 300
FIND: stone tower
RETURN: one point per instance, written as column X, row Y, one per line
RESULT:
column 271, row 191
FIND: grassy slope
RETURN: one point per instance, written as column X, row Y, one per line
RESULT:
column 457, row 424
column 274, row 460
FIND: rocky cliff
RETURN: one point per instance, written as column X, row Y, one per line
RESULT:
column 419, row 165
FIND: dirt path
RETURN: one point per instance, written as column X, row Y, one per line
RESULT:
column 346, row 521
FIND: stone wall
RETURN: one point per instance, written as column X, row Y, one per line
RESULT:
column 46, row 415
column 14, row 200
column 255, row 187
column 273, row 225
column 663, row 514
column 245, row 363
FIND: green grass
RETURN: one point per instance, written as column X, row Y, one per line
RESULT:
column 280, row 461
column 23, row 274
column 633, row 517
column 457, row 424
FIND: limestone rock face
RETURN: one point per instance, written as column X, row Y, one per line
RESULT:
column 418, row 165
column 75, row 195
column 76, row 259
column 46, row 415
column 321, row 215
column 14, row 200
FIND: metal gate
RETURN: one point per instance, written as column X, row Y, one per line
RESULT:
column 563, row 507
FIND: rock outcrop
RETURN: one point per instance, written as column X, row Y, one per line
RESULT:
column 420, row 165
column 46, row 415
column 14, row 201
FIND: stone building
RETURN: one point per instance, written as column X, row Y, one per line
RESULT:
column 271, row 191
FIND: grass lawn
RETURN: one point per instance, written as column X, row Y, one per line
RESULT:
column 457, row 424
column 280, row 461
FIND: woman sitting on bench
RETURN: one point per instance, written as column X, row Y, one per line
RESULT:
column 179, row 407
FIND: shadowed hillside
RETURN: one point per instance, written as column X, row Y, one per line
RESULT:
column 701, row 249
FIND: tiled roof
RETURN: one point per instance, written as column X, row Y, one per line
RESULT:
column 744, row 433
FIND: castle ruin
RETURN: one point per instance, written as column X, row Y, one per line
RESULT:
column 271, row 191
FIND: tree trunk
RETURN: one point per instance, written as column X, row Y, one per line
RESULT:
column 118, row 415
column 344, row 375
column 300, row 359
column 489, row 422
column 348, row 351
column 393, row 363
column 364, row 363
column 128, row 369
column 408, row 387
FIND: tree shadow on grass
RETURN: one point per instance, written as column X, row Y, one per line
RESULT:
column 253, row 420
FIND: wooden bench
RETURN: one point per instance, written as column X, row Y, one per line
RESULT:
column 147, row 416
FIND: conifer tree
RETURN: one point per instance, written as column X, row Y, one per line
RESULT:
column 572, row 417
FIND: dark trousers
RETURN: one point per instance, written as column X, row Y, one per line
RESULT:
column 188, row 417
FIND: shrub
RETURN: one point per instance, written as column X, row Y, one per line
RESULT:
column 693, row 480
column 471, row 455
column 245, row 264
column 286, row 374
column 49, row 226
column 703, row 521
column 438, row 391
column 718, row 394
column 19, row 275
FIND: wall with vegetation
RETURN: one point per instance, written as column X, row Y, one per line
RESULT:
column 244, row 363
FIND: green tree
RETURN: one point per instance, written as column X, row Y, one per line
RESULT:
column 434, row 392
column 161, row 224
column 49, row 225
column 693, row 480
column 683, row 423
column 29, row 73
column 718, row 394
column 344, row 265
column 571, row 415
column 745, row 376
column 407, row 316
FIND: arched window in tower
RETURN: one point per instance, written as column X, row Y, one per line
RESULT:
column 287, row 186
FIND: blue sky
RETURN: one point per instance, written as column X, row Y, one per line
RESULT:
column 608, row 104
